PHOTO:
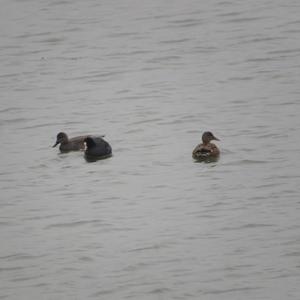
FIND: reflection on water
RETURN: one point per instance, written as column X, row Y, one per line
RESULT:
column 89, row 158
column 207, row 159
column 149, row 223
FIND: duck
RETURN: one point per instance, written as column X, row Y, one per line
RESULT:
column 96, row 148
column 206, row 149
column 70, row 144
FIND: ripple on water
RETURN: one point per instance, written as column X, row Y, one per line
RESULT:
column 73, row 224
column 150, row 223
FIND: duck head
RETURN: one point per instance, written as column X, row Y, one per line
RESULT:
column 61, row 138
column 89, row 142
column 207, row 137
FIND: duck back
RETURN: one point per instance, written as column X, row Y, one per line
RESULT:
column 97, row 148
column 73, row 144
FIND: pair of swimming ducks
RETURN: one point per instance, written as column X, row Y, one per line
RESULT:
column 97, row 147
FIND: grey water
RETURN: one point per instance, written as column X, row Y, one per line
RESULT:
column 150, row 223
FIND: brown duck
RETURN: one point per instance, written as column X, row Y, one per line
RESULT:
column 206, row 149
column 72, row 144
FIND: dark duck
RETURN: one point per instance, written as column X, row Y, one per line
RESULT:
column 206, row 150
column 96, row 148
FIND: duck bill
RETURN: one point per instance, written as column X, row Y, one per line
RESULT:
column 216, row 139
column 55, row 144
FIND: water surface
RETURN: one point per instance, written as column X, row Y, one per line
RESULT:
column 150, row 223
